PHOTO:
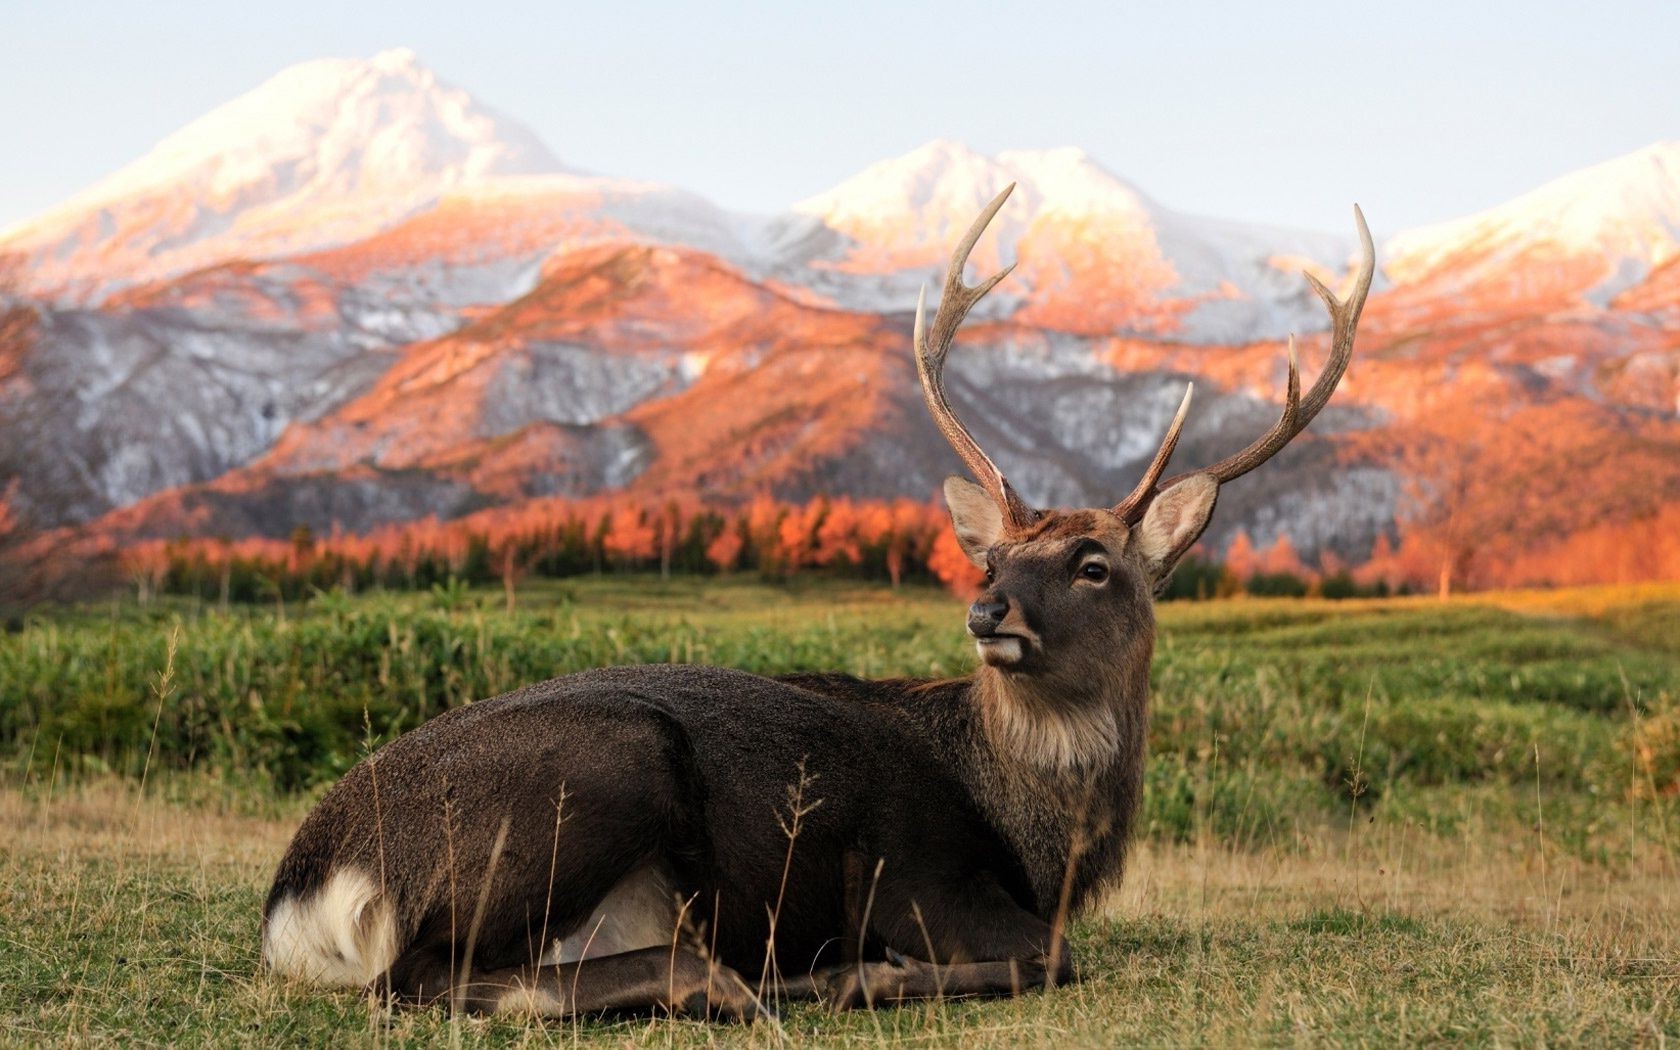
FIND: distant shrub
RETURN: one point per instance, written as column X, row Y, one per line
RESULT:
column 1198, row 579
column 1276, row 585
column 1341, row 585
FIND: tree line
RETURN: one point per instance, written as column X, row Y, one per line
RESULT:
column 888, row 541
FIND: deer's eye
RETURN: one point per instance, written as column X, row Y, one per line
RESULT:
column 1094, row 571
column 991, row 573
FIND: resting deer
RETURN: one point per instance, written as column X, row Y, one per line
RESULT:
column 693, row 839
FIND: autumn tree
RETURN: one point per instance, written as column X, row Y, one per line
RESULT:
column 796, row 537
column 668, row 529
column 895, row 531
column 148, row 565
column 1240, row 557
column 840, row 535
column 949, row 564
column 724, row 552
column 764, row 524
column 630, row 539
column 1281, row 559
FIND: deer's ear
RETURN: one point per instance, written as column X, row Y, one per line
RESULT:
column 1174, row 522
column 977, row 520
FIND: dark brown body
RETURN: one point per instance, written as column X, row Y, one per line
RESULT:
column 697, row 770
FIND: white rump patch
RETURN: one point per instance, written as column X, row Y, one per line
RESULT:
column 345, row 934
column 639, row 912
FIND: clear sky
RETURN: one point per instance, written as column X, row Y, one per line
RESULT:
column 1274, row 112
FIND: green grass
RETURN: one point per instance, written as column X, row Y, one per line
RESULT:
column 1365, row 822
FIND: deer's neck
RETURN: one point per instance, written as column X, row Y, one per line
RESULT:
column 1060, row 775
column 1036, row 728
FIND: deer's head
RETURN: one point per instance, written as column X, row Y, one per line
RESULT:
column 1068, row 594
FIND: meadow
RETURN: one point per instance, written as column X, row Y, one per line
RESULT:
column 1371, row 821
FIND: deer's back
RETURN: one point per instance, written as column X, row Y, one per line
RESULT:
column 712, row 770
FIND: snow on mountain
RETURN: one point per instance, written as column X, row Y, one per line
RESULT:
column 1096, row 254
column 323, row 153
column 1593, row 233
column 908, row 211
column 489, row 241
column 1658, row 294
column 102, row 408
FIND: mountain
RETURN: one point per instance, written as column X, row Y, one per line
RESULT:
column 324, row 153
column 1582, row 238
column 356, row 296
column 1095, row 254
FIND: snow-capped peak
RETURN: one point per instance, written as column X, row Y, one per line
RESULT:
column 321, row 153
column 916, row 198
column 1070, row 181
column 397, row 58
column 934, row 191
column 1621, row 218
column 344, row 125
column 1084, row 236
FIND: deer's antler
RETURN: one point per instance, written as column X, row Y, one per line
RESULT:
column 1297, row 411
column 931, row 347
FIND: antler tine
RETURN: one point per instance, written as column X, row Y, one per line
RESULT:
column 1298, row 412
column 954, row 303
column 1344, row 318
column 1131, row 507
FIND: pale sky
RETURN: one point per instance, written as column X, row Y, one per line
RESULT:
column 1269, row 112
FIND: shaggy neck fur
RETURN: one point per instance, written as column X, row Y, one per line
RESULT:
column 1044, row 731
column 1060, row 773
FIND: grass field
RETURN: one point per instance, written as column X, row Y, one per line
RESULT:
column 1370, row 822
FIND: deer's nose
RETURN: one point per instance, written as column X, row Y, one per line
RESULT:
column 984, row 617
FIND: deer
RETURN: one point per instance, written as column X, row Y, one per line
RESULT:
column 700, row 841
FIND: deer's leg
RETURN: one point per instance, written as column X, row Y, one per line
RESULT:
column 677, row 981
column 902, row 979
column 951, row 938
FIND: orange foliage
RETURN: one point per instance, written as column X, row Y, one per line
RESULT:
column 1280, row 559
column 796, row 537
column 951, row 566
column 1240, row 558
column 1536, row 494
column 630, row 536
column 725, row 551
column 557, row 537
column 839, row 536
